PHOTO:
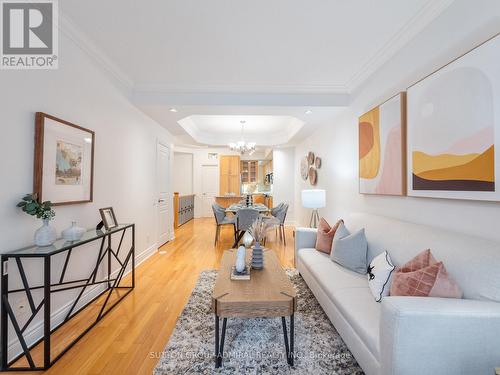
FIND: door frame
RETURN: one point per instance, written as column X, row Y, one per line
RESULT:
column 170, row 219
column 217, row 183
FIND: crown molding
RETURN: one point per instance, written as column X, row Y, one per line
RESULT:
column 191, row 124
column 416, row 24
column 69, row 29
column 262, row 88
column 239, row 99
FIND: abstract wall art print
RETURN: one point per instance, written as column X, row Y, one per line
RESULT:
column 68, row 163
column 382, row 148
column 454, row 126
column 64, row 161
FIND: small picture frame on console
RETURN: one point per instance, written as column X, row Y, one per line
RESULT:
column 108, row 218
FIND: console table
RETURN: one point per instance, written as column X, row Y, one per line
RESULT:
column 109, row 283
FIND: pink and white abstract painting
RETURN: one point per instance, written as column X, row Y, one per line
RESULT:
column 382, row 148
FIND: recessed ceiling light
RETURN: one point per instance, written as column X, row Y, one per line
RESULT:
column 308, row 112
column 173, row 110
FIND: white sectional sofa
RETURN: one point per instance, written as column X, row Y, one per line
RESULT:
column 411, row 335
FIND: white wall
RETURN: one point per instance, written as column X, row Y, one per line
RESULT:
column 284, row 180
column 462, row 26
column 182, row 174
column 125, row 155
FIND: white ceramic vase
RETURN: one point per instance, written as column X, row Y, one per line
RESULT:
column 247, row 239
column 240, row 259
column 73, row 233
column 45, row 235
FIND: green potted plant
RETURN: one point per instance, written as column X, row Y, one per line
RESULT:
column 45, row 235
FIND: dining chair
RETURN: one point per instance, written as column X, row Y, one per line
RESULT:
column 275, row 210
column 222, row 219
column 245, row 217
column 281, row 216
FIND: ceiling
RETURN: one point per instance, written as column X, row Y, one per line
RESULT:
column 219, row 125
column 264, row 130
column 280, row 54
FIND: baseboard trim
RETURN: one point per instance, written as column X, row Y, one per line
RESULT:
column 57, row 317
column 139, row 259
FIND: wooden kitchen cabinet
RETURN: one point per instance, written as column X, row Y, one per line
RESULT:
column 229, row 168
column 249, row 171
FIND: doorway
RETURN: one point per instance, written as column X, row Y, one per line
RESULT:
column 209, row 188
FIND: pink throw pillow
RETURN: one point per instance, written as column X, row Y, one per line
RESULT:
column 424, row 259
column 430, row 280
column 324, row 237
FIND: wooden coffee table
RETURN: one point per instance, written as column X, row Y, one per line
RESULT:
column 268, row 294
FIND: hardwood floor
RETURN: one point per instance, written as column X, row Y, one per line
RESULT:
column 130, row 338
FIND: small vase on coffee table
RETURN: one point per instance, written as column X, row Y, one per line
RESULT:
column 257, row 257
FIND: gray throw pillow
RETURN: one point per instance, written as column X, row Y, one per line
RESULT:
column 350, row 250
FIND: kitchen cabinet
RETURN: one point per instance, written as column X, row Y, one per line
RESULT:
column 249, row 171
column 229, row 168
column 259, row 198
column 268, row 173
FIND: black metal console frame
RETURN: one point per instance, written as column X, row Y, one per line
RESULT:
column 7, row 312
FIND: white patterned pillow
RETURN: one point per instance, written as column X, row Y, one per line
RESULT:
column 379, row 275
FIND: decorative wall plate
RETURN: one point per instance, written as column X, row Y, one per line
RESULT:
column 304, row 168
column 313, row 176
column 317, row 162
column 310, row 158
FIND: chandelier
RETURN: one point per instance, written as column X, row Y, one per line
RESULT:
column 241, row 146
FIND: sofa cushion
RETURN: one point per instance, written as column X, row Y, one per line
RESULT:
column 422, row 260
column 331, row 276
column 379, row 275
column 430, row 281
column 324, row 237
column 349, row 250
column 363, row 314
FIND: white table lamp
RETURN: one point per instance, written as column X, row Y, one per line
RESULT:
column 315, row 199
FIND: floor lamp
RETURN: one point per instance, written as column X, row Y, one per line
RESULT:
column 315, row 199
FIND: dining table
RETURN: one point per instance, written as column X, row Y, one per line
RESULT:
column 262, row 208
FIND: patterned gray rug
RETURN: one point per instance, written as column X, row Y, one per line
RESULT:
column 255, row 346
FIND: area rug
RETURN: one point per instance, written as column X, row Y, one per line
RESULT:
column 255, row 346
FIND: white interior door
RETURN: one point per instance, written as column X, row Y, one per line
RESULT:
column 162, row 173
column 209, row 186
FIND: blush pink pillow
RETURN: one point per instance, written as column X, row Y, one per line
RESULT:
column 324, row 236
column 424, row 259
column 430, row 280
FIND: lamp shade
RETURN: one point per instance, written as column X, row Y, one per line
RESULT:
column 314, row 198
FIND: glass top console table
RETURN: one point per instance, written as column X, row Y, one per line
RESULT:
column 39, row 276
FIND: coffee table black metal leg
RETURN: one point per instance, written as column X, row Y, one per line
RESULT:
column 292, row 339
column 288, row 345
column 219, row 345
column 216, row 341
